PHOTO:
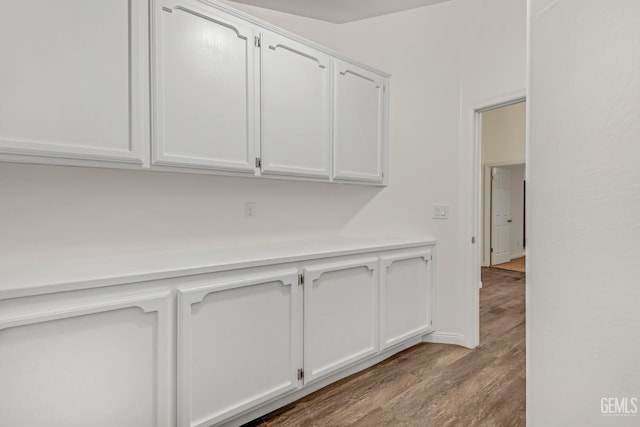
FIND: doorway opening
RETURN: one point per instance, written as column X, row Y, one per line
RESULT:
column 477, row 154
column 503, row 165
column 508, row 112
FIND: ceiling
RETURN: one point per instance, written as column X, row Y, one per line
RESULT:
column 339, row 11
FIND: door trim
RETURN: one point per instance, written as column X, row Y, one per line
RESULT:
column 471, row 121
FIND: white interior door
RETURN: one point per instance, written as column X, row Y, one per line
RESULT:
column 500, row 215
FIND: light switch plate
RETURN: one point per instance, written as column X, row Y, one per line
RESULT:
column 440, row 211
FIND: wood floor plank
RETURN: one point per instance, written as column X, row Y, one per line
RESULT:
column 434, row 384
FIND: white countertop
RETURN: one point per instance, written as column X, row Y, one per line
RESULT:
column 88, row 272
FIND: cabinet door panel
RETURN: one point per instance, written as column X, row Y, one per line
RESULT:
column 340, row 316
column 97, row 364
column 405, row 296
column 359, row 131
column 74, row 79
column 240, row 345
column 295, row 112
column 204, row 96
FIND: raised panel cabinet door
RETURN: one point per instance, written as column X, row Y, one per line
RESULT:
column 340, row 316
column 296, row 110
column 359, row 124
column 204, row 88
column 239, row 345
column 103, row 363
column 74, row 79
column 405, row 296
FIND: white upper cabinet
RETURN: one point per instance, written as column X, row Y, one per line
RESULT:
column 359, row 124
column 204, row 88
column 74, row 79
column 188, row 85
column 296, row 108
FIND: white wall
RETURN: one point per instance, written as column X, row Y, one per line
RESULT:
column 60, row 212
column 423, row 129
column 584, row 197
column 503, row 135
column 493, row 71
column 74, row 212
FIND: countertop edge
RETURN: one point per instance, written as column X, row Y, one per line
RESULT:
column 116, row 279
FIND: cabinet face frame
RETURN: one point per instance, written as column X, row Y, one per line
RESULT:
column 272, row 44
column 158, row 302
column 195, row 294
column 386, row 261
column 244, row 30
column 311, row 275
column 138, row 115
column 341, row 170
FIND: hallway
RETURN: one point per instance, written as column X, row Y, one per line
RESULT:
column 435, row 384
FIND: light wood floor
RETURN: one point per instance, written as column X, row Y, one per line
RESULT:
column 435, row 384
column 516, row 264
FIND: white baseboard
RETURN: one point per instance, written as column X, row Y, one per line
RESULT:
column 446, row 338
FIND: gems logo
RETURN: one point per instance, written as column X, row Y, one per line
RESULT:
column 619, row 406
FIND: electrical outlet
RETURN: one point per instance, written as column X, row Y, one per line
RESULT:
column 440, row 211
column 249, row 209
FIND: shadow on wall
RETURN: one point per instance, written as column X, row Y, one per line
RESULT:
column 67, row 211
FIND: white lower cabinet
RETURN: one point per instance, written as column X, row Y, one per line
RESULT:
column 208, row 348
column 100, row 362
column 405, row 296
column 340, row 315
column 248, row 341
column 240, row 345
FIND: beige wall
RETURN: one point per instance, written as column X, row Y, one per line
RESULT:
column 503, row 135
